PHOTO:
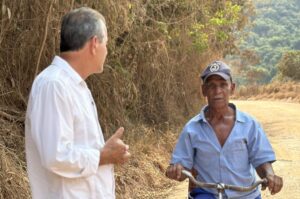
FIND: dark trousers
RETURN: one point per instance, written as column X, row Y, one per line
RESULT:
column 199, row 193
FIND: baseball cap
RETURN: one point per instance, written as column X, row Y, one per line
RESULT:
column 216, row 68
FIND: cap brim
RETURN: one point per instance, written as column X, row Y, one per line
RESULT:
column 223, row 75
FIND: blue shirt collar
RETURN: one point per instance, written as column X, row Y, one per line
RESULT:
column 239, row 116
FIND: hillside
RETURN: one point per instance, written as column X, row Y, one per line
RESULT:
column 274, row 31
column 275, row 91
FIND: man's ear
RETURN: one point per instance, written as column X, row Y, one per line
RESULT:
column 203, row 90
column 94, row 44
column 232, row 88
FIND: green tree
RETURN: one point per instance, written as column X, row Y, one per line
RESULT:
column 289, row 65
column 257, row 75
column 274, row 32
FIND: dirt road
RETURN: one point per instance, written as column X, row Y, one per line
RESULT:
column 281, row 122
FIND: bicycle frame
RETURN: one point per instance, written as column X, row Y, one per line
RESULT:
column 221, row 186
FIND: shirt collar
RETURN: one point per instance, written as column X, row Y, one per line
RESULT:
column 60, row 62
column 239, row 116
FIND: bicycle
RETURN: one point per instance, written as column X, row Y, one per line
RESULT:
column 221, row 186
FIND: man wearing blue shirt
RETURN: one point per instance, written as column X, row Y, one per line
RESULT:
column 222, row 143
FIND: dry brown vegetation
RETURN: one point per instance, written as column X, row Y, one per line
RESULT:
column 283, row 91
column 149, row 85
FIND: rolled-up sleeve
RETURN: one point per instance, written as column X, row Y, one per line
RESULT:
column 52, row 131
column 183, row 152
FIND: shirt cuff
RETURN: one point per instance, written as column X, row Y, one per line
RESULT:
column 185, row 164
column 259, row 162
column 93, row 157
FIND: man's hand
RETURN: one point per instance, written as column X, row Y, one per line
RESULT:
column 174, row 172
column 274, row 185
column 275, row 182
column 114, row 150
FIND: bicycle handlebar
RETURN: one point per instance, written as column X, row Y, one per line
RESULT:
column 222, row 186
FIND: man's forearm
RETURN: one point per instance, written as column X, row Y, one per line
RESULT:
column 265, row 169
column 275, row 182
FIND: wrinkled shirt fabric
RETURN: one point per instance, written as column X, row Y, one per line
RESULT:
column 63, row 138
column 246, row 148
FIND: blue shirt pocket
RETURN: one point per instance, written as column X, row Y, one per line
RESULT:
column 237, row 155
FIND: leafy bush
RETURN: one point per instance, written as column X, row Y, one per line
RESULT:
column 289, row 65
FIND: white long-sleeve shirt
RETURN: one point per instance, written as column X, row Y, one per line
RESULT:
column 63, row 138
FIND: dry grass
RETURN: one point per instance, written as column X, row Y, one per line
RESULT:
column 283, row 91
column 150, row 79
column 13, row 178
column 13, row 183
column 145, row 176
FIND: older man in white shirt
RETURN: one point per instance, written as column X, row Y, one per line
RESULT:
column 67, row 156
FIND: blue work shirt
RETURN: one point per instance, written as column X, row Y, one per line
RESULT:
column 246, row 148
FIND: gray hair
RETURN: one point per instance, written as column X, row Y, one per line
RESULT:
column 78, row 26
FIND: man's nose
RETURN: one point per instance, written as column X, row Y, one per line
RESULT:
column 218, row 89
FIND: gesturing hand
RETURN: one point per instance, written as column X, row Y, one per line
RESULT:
column 115, row 151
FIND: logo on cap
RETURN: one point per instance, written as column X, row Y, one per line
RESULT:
column 214, row 67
